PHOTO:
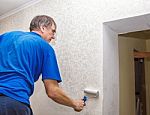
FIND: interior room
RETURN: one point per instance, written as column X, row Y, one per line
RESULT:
column 96, row 46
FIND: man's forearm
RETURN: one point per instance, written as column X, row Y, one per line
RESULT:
column 60, row 97
column 57, row 94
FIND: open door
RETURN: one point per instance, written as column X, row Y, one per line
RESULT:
column 140, row 90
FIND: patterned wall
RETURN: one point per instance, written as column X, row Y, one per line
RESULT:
column 78, row 49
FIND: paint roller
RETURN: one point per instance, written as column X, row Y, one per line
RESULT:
column 90, row 93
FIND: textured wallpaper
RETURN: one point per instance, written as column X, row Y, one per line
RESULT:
column 78, row 49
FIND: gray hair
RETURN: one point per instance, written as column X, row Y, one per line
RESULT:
column 41, row 20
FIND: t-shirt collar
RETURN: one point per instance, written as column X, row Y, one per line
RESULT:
column 35, row 33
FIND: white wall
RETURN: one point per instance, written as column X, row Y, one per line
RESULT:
column 110, row 72
column 80, row 48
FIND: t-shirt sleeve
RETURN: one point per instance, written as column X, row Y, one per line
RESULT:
column 50, row 68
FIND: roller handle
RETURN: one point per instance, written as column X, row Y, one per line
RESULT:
column 85, row 98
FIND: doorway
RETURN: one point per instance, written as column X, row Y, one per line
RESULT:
column 111, row 65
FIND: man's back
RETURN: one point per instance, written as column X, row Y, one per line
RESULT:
column 20, row 64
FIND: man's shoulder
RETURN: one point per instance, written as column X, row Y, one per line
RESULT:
column 10, row 33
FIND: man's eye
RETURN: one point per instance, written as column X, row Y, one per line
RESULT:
column 54, row 31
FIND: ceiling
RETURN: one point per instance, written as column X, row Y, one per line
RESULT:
column 9, row 5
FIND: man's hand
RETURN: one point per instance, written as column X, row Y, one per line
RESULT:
column 79, row 104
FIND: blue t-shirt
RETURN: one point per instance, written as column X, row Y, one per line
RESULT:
column 23, row 57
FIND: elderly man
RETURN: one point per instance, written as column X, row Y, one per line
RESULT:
column 24, row 56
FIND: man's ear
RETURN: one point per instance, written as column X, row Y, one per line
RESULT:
column 42, row 28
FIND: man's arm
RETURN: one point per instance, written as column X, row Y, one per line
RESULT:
column 57, row 94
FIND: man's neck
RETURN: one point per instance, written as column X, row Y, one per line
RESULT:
column 38, row 32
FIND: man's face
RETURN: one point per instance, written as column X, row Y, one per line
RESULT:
column 48, row 33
